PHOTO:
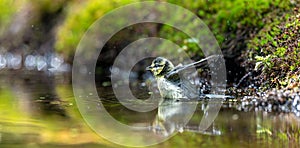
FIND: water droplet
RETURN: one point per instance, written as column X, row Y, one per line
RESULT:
column 13, row 61
column 62, row 68
column 30, row 62
column 41, row 63
column 56, row 61
column 115, row 70
column 2, row 62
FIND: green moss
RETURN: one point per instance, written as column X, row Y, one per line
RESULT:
column 226, row 18
column 280, row 52
column 275, row 51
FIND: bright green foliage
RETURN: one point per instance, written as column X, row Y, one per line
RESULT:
column 79, row 18
column 275, row 51
column 5, row 13
column 225, row 18
column 7, row 10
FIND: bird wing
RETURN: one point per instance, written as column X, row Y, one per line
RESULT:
column 197, row 64
column 183, row 82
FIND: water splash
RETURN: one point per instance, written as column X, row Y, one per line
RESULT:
column 2, row 62
column 53, row 63
column 30, row 62
column 41, row 63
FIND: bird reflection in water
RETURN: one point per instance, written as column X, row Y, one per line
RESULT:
column 174, row 116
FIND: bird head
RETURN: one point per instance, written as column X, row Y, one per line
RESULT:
column 160, row 66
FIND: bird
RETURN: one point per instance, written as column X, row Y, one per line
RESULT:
column 171, row 84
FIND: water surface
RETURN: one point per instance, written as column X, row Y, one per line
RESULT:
column 38, row 110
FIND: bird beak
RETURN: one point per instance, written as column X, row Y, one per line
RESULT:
column 149, row 68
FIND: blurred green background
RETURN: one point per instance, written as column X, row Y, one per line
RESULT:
column 256, row 36
column 249, row 31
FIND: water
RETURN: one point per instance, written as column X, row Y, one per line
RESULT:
column 38, row 110
column 53, row 63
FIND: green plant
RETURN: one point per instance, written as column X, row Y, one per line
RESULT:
column 275, row 51
column 79, row 18
column 226, row 18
